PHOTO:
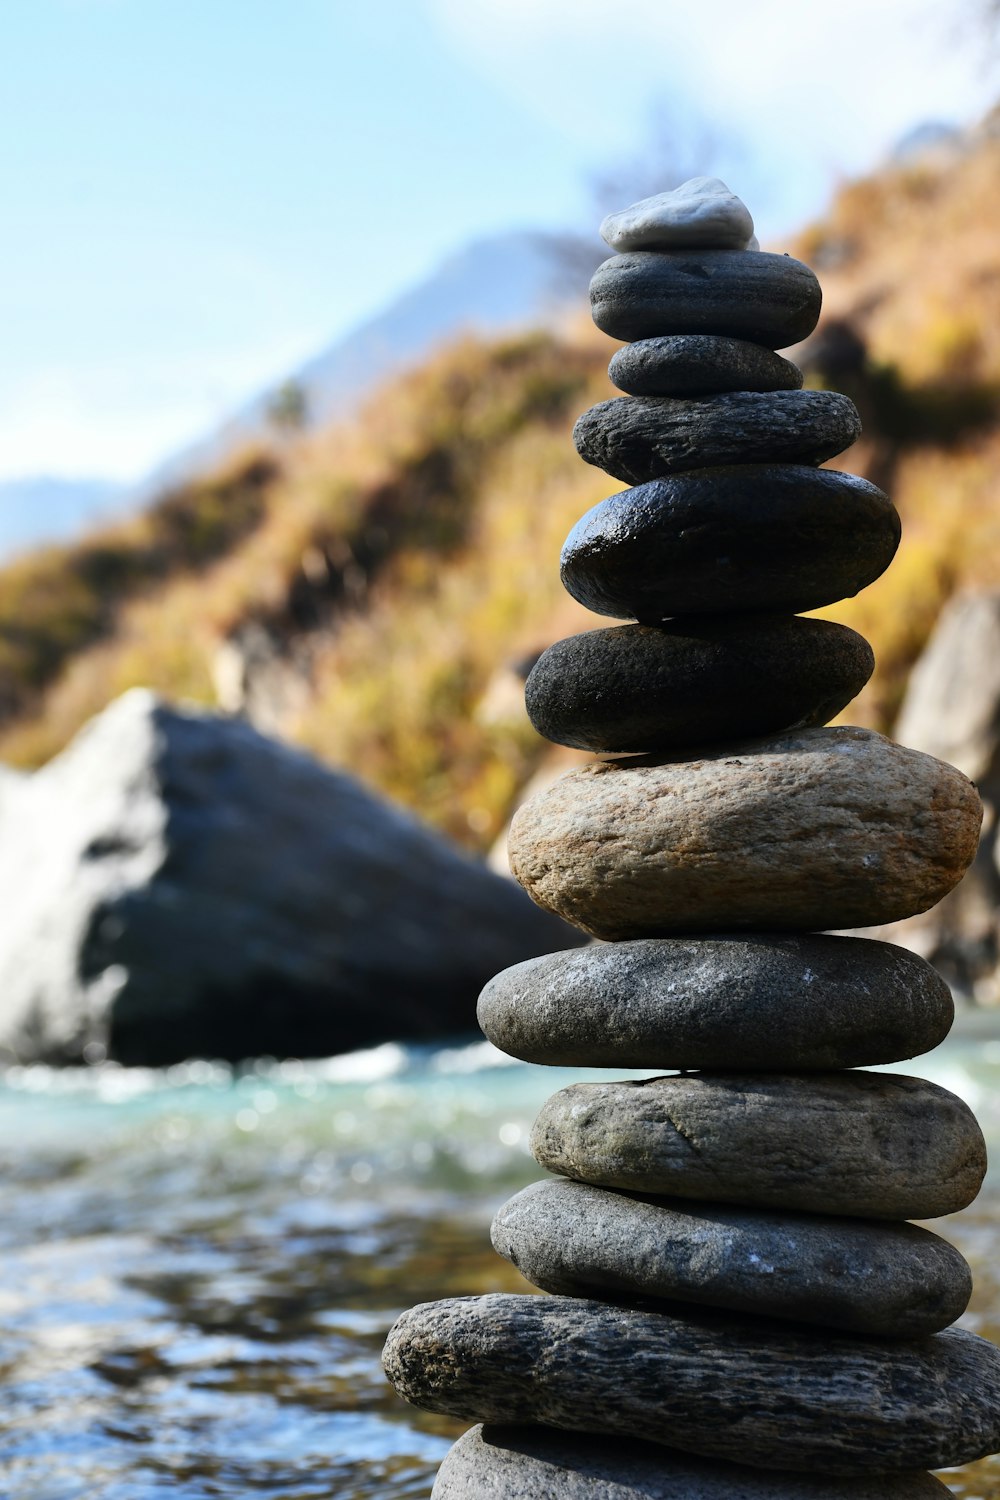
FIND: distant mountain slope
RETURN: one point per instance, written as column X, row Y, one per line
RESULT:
column 44, row 508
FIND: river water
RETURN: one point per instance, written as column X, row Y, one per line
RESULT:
column 200, row 1265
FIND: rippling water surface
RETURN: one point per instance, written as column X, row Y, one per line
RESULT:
column 200, row 1266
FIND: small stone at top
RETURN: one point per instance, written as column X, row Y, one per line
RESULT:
column 700, row 212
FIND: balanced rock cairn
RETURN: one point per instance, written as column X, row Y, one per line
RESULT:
column 739, row 1306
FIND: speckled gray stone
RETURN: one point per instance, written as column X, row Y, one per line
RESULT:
column 868, row 1145
column 768, row 1001
column 695, row 681
column 892, row 1281
column 818, row 828
column 638, row 438
column 750, row 537
column 727, row 1387
column 540, row 1463
column 768, row 299
column 700, row 364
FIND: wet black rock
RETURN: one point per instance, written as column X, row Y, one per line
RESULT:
column 774, row 1002
column 695, row 681
column 694, row 364
column 749, row 537
column 768, row 299
column 894, row 1281
column 638, row 438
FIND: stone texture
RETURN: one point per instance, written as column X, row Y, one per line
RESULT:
column 814, row 829
column 176, row 885
column 539, row 1463
column 892, row 1281
column 692, row 364
column 745, row 1390
column 768, row 299
column 702, row 211
column 638, row 438
column 751, row 537
column 769, row 1001
column 869, row 1145
column 695, row 681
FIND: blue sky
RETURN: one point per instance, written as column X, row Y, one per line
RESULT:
column 198, row 194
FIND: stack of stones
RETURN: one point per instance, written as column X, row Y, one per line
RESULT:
column 739, row 1306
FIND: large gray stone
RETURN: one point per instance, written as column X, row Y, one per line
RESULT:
column 695, row 681
column 868, row 1145
column 771, row 1001
column 699, row 364
column 541, row 1463
column 756, row 536
column 814, row 829
column 639, row 438
column 892, row 1281
column 745, row 1390
column 769, row 299
column 176, row 884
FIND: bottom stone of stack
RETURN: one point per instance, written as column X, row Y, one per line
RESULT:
column 718, row 1385
column 537, row 1463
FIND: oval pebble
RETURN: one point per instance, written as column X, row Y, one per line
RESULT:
column 868, row 1145
column 741, row 1389
column 817, row 829
column 768, row 299
column 750, row 537
column 894, row 1281
column 540, row 1463
column 768, row 1001
column 694, row 681
column 693, row 364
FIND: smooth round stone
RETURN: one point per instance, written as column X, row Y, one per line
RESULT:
column 768, row 299
column 638, row 438
column 751, row 537
column 541, row 1463
column 869, row 1145
column 702, row 211
column 727, row 1387
column 692, row 364
column 892, row 1281
column 695, row 681
column 762, row 1001
column 819, row 828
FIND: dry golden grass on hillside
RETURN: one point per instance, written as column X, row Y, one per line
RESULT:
column 397, row 563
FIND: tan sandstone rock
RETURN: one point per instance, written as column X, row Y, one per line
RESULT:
column 819, row 828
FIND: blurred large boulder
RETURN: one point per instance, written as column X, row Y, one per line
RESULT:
column 952, row 710
column 176, row 884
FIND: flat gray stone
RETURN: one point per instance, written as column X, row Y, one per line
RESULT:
column 818, row 828
column 893, row 1281
column 768, row 299
column 733, row 1388
column 541, row 1463
column 868, row 1145
column 638, row 438
column 777, row 1002
column 695, row 681
column 750, row 537
column 693, row 364
column 702, row 211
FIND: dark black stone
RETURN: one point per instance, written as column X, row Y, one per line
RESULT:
column 637, row 438
column 749, row 537
column 768, row 299
column 692, row 364
column 695, row 681
column 768, row 1001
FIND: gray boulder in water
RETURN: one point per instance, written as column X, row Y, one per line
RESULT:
column 176, row 884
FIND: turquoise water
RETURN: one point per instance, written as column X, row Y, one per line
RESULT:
column 200, row 1266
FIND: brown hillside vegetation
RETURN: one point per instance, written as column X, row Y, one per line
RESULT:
column 362, row 590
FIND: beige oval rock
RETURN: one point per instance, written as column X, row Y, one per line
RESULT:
column 819, row 828
column 869, row 1145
